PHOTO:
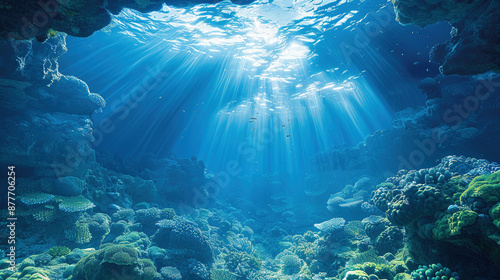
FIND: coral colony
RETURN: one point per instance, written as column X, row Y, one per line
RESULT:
column 250, row 140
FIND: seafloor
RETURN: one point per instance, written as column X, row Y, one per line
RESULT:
column 84, row 216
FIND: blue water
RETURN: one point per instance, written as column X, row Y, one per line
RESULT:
column 289, row 79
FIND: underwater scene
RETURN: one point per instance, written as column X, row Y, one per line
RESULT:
column 250, row 140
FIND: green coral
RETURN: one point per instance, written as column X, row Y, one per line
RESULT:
column 58, row 251
column 495, row 214
column 74, row 203
column 486, row 187
column 114, row 262
column 454, row 188
column 452, row 224
column 31, row 273
column 433, row 271
column 136, row 239
column 121, row 255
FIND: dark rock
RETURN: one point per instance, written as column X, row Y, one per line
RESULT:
column 474, row 46
column 23, row 20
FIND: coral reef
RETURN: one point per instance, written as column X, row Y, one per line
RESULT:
column 432, row 271
column 331, row 225
column 114, row 262
column 460, row 218
column 185, row 236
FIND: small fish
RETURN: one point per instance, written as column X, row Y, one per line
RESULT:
column 288, row 135
column 251, row 121
column 283, row 126
column 253, row 118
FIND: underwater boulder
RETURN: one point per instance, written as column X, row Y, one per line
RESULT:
column 183, row 239
column 473, row 47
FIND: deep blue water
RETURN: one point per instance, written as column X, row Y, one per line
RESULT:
column 289, row 80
